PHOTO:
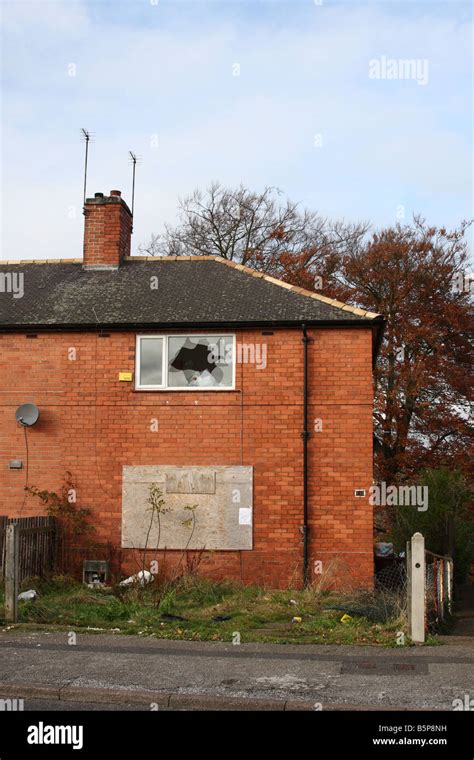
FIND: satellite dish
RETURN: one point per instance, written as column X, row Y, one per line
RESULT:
column 27, row 414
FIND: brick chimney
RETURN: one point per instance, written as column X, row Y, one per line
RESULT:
column 107, row 231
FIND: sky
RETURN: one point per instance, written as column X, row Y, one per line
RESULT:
column 310, row 96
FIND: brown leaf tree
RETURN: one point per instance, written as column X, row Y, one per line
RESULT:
column 417, row 276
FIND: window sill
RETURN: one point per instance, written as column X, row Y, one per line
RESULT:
column 186, row 390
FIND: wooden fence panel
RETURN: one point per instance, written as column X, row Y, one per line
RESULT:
column 37, row 545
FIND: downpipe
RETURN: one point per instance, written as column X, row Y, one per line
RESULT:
column 305, row 437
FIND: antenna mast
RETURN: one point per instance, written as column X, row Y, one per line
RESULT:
column 134, row 160
column 86, row 136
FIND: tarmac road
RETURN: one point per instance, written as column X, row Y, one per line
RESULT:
column 116, row 671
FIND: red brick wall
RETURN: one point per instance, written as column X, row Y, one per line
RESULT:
column 92, row 424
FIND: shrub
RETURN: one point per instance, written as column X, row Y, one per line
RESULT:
column 448, row 519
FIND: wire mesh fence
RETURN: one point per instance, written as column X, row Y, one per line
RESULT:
column 392, row 578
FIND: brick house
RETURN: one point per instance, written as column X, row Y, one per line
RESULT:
column 240, row 396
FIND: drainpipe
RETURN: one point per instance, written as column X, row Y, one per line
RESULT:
column 305, row 437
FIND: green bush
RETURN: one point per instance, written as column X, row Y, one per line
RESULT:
column 449, row 510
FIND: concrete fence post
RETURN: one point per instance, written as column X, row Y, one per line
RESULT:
column 12, row 554
column 416, row 588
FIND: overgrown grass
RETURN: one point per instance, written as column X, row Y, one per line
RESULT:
column 194, row 608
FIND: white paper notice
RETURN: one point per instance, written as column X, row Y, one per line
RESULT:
column 245, row 516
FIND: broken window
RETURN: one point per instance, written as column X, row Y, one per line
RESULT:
column 185, row 361
column 203, row 362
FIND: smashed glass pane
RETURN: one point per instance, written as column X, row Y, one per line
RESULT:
column 200, row 362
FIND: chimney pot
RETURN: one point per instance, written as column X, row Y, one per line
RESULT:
column 116, row 192
column 98, row 195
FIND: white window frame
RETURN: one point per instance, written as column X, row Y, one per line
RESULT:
column 190, row 389
column 161, row 387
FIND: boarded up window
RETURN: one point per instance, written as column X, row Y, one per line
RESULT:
column 222, row 497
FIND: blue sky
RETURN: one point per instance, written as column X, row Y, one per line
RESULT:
column 303, row 113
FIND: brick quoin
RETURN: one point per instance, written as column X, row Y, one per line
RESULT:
column 92, row 424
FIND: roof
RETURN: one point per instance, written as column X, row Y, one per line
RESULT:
column 190, row 291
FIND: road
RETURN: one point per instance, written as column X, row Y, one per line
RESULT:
column 112, row 669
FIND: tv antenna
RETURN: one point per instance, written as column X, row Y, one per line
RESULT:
column 86, row 137
column 134, row 160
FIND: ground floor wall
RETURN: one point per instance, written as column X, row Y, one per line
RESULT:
column 92, row 425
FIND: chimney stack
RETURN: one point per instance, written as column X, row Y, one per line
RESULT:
column 107, row 231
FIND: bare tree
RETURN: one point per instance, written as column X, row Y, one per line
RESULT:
column 250, row 228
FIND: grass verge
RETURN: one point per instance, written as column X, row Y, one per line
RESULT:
column 197, row 609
